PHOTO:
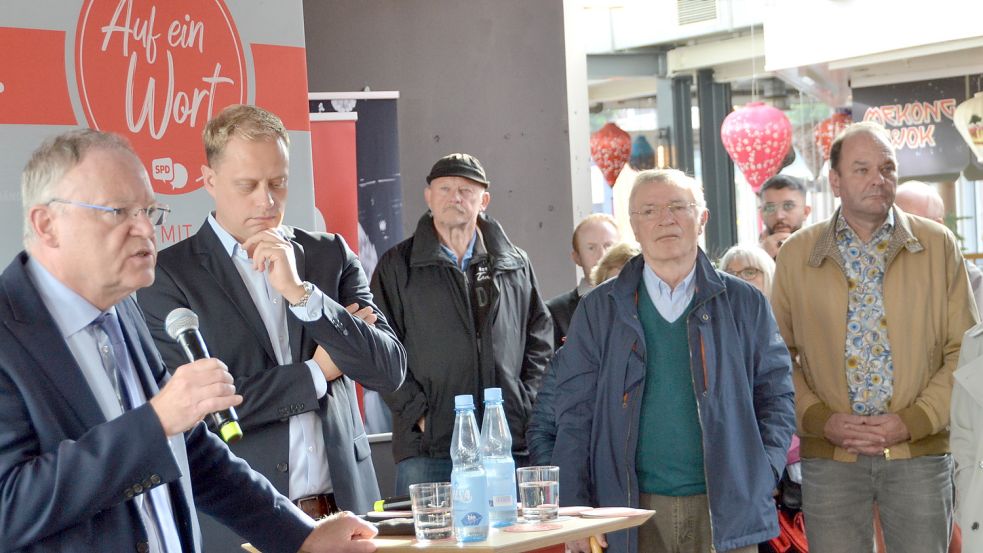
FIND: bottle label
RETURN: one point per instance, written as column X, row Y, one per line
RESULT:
column 501, row 482
column 502, row 501
column 471, row 519
column 470, row 505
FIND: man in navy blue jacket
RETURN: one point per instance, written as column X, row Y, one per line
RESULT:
column 675, row 390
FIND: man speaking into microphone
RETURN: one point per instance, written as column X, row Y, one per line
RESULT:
column 290, row 313
column 100, row 450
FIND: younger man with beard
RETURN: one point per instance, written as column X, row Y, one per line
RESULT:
column 783, row 210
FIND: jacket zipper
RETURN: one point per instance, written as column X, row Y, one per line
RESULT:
column 699, row 419
column 629, row 416
column 628, row 471
column 469, row 316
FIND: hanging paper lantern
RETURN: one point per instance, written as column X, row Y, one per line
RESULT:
column 757, row 137
column 642, row 154
column 828, row 129
column 610, row 149
column 969, row 121
column 789, row 158
column 805, row 145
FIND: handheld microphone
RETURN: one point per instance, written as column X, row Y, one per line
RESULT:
column 182, row 326
column 398, row 503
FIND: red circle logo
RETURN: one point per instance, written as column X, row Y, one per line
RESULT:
column 156, row 72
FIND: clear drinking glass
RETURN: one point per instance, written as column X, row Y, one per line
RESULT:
column 539, row 492
column 432, row 510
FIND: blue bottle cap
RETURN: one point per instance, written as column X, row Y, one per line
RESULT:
column 493, row 394
column 464, row 402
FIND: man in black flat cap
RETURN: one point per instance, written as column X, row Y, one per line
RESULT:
column 464, row 302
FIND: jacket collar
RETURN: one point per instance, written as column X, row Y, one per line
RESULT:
column 624, row 288
column 901, row 237
column 426, row 245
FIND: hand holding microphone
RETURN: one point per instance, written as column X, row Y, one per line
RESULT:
column 201, row 388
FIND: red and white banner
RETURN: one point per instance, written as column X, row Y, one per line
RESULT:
column 154, row 71
column 336, row 173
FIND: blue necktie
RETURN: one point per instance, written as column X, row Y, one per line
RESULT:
column 112, row 350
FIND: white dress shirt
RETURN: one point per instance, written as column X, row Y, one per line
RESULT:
column 309, row 473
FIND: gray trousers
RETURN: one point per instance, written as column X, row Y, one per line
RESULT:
column 914, row 497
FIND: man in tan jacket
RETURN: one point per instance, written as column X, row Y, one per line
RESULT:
column 872, row 304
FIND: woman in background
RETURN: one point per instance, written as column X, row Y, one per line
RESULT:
column 614, row 259
column 752, row 264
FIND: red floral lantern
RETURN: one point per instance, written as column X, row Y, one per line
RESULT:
column 828, row 129
column 610, row 149
column 757, row 137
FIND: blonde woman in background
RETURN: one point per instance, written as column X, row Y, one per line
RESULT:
column 751, row 263
column 614, row 259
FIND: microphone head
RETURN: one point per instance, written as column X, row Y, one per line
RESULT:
column 180, row 321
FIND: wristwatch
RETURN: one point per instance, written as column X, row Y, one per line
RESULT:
column 308, row 290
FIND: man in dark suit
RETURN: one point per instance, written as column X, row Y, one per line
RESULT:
column 100, row 449
column 272, row 302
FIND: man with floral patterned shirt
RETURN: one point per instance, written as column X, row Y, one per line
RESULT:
column 872, row 304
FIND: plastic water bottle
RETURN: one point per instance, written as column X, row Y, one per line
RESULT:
column 468, row 506
column 496, row 456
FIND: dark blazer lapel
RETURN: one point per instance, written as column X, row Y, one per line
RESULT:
column 216, row 262
column 295, row 330
column 35, row 329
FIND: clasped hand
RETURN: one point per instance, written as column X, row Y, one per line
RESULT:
column 866, row 435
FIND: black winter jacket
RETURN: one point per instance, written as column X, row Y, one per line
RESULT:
column 425, row 299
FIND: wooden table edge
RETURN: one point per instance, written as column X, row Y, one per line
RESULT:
column 614, row 524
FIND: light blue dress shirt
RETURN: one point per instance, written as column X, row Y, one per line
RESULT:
column 73, row 316
column 671, row 303
column 309, row 473
column 468, row 253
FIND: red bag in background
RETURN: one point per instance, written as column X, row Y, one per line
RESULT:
column 791, row 533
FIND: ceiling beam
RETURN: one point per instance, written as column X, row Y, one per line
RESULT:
column 622, row 89
column 708, row 55
column 962, row 47
column 937, row 66
column 612, row 66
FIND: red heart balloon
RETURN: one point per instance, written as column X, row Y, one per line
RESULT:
column 757, row 137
